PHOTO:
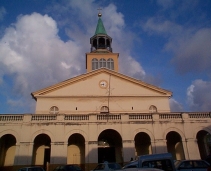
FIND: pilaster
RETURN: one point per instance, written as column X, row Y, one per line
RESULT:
column 128, row 150
column 58, row 153
column 192, row 148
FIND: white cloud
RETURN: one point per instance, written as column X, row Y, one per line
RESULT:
column 193, row 52
column 199, row 95
column 190, row 46
column 32, row 52
column 33, row 55
column 175, row 106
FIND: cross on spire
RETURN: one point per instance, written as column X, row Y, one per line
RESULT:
column 99, row 12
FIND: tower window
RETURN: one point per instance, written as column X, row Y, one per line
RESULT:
column 54, row 110
column 102, row 63
column 94, row 64
column 152, row 109
column 104, row 109
column 110, row 64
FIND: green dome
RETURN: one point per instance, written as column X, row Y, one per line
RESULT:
column 100, row 28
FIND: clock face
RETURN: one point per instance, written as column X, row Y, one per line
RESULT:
column 103, row 84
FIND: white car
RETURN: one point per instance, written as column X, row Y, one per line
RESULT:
column 106, row 166
column 191, row 165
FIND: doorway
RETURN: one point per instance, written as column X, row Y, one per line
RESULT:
column 106, row 154
column 110, row 146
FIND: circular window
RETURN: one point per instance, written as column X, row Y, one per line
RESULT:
column 152, row 109
column 54, row 110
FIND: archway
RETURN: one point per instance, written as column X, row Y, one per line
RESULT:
column 7, row 150
column 76, row 149
column 110, row 146
column 142, row 144
column 41, row 150
column 174, row 145
column 204, row 143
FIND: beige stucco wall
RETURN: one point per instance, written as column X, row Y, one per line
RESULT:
column 93, row 105
column 60, row 130
column 86, row 96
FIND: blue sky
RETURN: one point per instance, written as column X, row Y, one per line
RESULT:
column 166, row 43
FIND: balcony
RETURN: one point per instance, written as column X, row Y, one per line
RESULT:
column 98, row 118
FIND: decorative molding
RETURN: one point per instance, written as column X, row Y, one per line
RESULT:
column 93, row 142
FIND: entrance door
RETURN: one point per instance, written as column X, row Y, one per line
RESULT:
column 47, row 154
column 106, row 154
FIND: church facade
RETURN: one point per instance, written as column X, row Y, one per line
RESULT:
column 101, row 115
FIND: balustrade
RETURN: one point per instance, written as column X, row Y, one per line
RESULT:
column 4, row 118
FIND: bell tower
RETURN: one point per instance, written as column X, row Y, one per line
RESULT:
column 101, row 55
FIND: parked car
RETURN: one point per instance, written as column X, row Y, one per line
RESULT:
column 68, row 167
column 116, row 167
column 192, row 165
column 106, row 166
column 33, row 168
column 132, row 164
column 163, row 161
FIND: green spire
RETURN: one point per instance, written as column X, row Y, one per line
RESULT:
column 100, row 27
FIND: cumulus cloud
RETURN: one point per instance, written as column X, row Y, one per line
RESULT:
column 193, row 53
column 199, row 95
column 191, row 47
column 115, row 27
column 175, row 106
column 33, row 55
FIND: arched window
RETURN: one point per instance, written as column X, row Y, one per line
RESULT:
column 54, row 110
column 110, row 64
column 104, row 109
column 102, row 63
column 152, row 109
column 94, row 64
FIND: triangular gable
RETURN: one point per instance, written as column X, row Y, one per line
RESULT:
column 88, row 85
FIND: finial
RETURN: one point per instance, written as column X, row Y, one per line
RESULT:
column 99, row 13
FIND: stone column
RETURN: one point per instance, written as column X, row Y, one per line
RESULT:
column 192, row 148
column 128, row 150
column 153, row 147
column 184, row 144
column 92, row 152
column 58, row 153
column 160, row 146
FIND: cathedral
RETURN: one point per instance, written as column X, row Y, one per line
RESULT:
column 101, row 115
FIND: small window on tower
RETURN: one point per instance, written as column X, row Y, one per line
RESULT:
column 152, row 109
column 54, row 110
column 104, row 109
column 94, row 64
column 102, row 63
column 110, row 64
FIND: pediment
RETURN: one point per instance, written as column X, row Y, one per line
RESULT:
column 89, row 84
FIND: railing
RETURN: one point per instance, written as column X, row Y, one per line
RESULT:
column 43, row 117
column 129, row 117
column 76, row 117
column 170, row 116
column 199, row 115
column 11, row 117
column 108, row 117
column 140, row 117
